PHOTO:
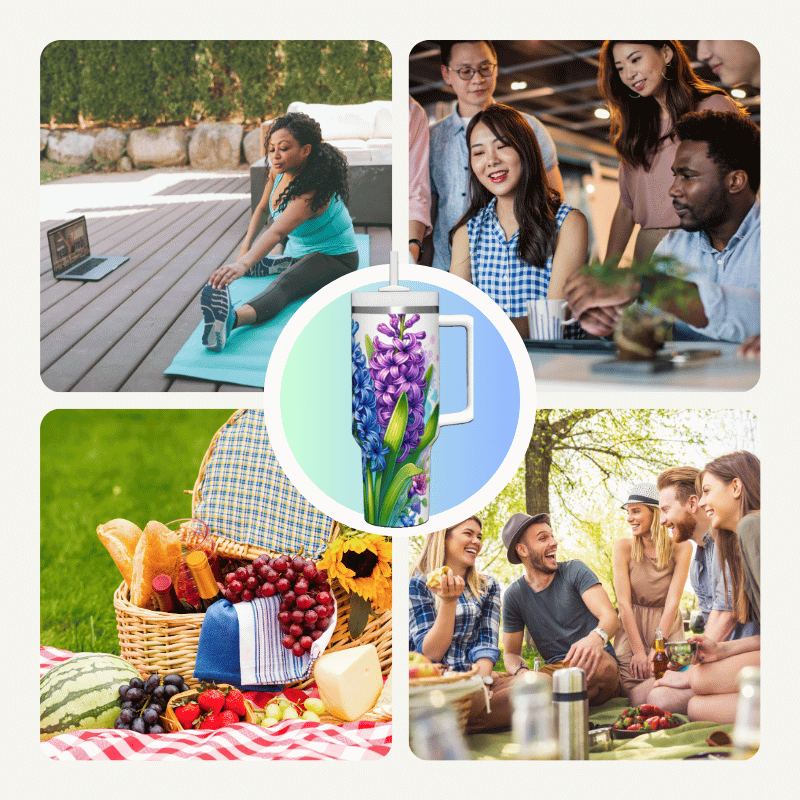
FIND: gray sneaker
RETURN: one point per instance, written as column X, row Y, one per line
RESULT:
column 270, row 265
column 218, row 316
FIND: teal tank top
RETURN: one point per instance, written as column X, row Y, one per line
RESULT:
column 331, row 232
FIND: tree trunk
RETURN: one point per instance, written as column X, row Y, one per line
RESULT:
column 538, row 460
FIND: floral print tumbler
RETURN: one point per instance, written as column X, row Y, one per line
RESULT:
column 395, row 357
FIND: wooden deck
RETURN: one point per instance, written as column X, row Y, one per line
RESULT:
column 177, row 226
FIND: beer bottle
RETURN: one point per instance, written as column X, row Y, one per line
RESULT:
column 204, row 579
column 660, row 659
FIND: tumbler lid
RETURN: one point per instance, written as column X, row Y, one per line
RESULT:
column 569, row 680
column 395, row 298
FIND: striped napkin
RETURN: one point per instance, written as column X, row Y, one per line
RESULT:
column 263, row 660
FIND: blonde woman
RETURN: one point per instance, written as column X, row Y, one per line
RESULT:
column 457, row 622
column 650, row 571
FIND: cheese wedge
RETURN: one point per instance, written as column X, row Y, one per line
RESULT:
column 349, row 681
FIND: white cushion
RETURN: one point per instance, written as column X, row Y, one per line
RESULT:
column 361, row 121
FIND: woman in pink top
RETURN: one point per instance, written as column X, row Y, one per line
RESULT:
column 648, row 86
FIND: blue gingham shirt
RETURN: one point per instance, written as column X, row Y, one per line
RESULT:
column 449, row 165
column 729, row 282
column 498, row 270
column 477, row 626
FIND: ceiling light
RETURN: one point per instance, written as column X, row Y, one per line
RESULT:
column 518, row 86
column 602, row 113
column 740, row 93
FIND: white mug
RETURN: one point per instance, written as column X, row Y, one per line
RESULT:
column 547, row 318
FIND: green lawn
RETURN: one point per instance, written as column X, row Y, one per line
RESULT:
column 98, row 465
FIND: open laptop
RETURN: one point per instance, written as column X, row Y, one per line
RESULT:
column 71, row 257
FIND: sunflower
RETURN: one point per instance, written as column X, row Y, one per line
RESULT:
column 362, row 563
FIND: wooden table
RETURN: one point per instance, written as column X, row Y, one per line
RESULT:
column 572, row 371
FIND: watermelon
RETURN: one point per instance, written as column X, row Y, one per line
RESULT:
column 82, row 693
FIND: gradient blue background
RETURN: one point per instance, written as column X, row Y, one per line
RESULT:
column 316, row 392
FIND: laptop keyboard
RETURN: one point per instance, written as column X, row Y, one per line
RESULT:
column 86, row 266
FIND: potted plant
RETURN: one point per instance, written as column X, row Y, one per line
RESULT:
column 642, row 329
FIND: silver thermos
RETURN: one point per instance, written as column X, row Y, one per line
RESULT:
column 435, row 733
column 571, row 704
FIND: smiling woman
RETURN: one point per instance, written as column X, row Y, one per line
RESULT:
column 454, row 618
column 649, row 86
column 650, row 571
column 517, row 240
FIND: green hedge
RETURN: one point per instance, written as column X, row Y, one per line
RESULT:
column 146, row 82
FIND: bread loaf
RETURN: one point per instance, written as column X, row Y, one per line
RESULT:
column 120, row 538
column 157, row 551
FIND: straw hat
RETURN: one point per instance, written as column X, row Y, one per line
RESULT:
column 645, row 494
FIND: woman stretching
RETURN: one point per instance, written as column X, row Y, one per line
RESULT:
column 731, row 496
column 306, row 194
column 648, row 87
column 455, row 619
column 517, row 240
column 650, row 571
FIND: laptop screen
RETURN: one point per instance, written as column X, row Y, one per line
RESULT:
column 69, row 243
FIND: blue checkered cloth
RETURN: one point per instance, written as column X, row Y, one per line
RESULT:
column 246, row 496
column 477, row 626
column 497, row 268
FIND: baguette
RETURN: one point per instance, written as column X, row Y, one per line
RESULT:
column 157, row 551
column 120, row 538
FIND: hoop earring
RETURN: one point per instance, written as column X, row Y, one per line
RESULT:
column 634, row 96
column 664, row 72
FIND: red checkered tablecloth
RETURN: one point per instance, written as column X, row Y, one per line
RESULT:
column 293, row 740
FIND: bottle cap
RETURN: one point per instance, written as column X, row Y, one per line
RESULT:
column 569, row 681
column 201, row 571
column 162, row 583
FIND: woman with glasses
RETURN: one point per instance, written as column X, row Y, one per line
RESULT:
column 470, row 69
column 649, row 86
column 517, row 240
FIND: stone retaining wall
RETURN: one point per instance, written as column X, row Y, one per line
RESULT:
column 211, row 145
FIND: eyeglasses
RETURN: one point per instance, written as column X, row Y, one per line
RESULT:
column 466, row 73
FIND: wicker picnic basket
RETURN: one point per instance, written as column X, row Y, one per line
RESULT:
column 462, row 705
column 155, row 642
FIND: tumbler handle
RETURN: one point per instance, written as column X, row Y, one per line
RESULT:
column 466, row 322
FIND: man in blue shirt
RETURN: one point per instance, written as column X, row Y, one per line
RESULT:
column 470, row 68
column 681, row 513
column 717, row 171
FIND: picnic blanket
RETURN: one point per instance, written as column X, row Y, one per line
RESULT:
column 676, row 743
column 293, row 740
column 248, row 349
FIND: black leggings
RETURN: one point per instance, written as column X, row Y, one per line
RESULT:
column 306, row 276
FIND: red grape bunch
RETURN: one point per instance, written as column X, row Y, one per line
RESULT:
column 307, row 603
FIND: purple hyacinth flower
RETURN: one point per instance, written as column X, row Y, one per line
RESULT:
column 397, row 366
column 419, row 483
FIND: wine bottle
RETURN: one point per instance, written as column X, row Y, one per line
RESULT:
column 165, row 594
column 207, row 586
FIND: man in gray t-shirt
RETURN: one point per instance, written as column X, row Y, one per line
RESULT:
column 563, row 606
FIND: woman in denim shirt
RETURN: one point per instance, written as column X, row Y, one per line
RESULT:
column 457, row 622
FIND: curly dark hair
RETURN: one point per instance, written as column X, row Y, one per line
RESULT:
column 734, row 141
column 535, row 203
column 325, row 171
column 636, row 122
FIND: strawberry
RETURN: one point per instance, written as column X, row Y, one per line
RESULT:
column 648, row 710
column 235, row 702
column 211, row 721
column 211, row 700
column 187, row 714
column 227, row 717
column 653, row 722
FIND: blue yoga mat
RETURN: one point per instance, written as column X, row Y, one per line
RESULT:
column 246, row 355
